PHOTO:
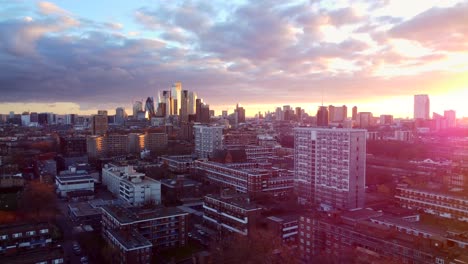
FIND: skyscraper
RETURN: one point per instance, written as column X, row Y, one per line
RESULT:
column 322, row 116
column 450, row 116
column 99, row 124
column 192, row 102
column 149, row 107
column 421, row 106
column 120, row 115
column 354, row 115
column 337, row 113
column 176, row 95
column 240, row 111
column 137, row 107
column 184, row 106
column 329, row 167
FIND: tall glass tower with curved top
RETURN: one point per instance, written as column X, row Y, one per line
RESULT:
column 149, row 107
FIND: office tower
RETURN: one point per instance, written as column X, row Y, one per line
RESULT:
column 42, row 118
column 176, row 95
column 184, row 106
column 70, row 119
column 207, row 140
column 298, row 114
column 25, row 119
column 450, row 116
column 337, row 113
column 329, row 167
column 240, row 111
column 439, row 121
column 99, row 124
column 322, row 116
column 192, row 103
column 386, row 119
column 421, row 106
column 279, row 114
column 149, row 107
column 12, row 115
column 354, row 115
column 365, row 120
column 137, row 107
column 34, row 118
column 204, row 114
column 224, row 113
column 120, row 115
column 102, row 112
column 167, row 99
column 161, row 111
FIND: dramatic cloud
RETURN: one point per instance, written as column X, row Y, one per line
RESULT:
column 256, row 52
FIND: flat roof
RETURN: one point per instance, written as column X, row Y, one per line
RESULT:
column 132, row 214
column 83, row 209
column 238, row 200
column 187, row 182
column 130, row 240
column 21, row 227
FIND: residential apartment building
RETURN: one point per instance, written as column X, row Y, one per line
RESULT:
column 364, row 236
column 164, row 227
column 155, row 141
column 447, row 205
column 230, row 213
column 21, row 237
column 285, row 228
column 245, row 178
column 130, row 186
column 207, row 140
column 116, row 144
column 329, row 167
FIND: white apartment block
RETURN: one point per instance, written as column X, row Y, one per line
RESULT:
column 131, row 186
column 207, row 140
column 330, row 166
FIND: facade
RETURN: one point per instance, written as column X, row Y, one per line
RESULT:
column 421, row 106
column 365, row 236
column 322, row 116
column 149, row 107
column 337, row 113
column 137, row 107
column 130, row 186
column 329, row 167
column 164, row 227
column 245, row 178
column 71, row 183
column 365, row 120
column 116, row 144
column 96, row 146
column 99, row 124
column 73, row 146
column 120, row 115
column 285, row 228
column 136, row 142
column 230, row 213
column 386, row 119
column 16, row 238
column 155, row 141
column 451, row 117
column 207, row 140
column 178, row 164
column 192, row 103
column 437, row 203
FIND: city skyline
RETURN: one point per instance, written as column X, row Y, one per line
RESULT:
column 65, row 57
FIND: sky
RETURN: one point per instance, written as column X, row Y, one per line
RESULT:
column 80, row 56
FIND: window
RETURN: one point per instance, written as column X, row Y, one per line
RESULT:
column 16, row 235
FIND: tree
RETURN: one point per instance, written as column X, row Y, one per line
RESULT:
column 38, row 200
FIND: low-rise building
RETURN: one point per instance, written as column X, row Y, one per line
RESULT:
column 11, row 181
column 130, row 245
column 130, row 186
column 285, row 228
column 76, row 182
column 164, row 227
column 178, row 164
column 230, row 213
column 84, row 213
column 246, row 178
column 40, row 255
column 15, row 238
column 448, row 205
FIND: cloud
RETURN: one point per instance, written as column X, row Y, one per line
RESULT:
column 438, row 28
column 48, row 8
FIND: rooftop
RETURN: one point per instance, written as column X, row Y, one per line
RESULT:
column 238, row 200
column 130, row 240
column 133, row 214
column 21, row 227
column 83, row 209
